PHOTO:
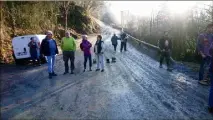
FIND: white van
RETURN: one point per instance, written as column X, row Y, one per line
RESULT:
column 21, row 51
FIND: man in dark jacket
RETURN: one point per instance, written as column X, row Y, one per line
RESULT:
column 165, row 45
column 123, row 41
column 49, row 49
column 114, row 41
column 211, row 80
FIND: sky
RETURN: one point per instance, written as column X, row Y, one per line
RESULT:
column 144, row 8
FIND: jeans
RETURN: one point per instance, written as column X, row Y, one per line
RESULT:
column 123, row 46
column 69, row 55
column 115, row 46
column 100, row 61
column 86, row 57
column 211, row 92
column 167, row 56
column 203, row 67
column 51, row 62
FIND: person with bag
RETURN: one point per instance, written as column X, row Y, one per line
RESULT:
column 85, row 47
column 99, row 52
column 68, row 47
column 203, row 45
column 49, row 49
column 165, row 45
column 33, row 45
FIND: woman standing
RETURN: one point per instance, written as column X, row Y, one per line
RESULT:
column 34, row 51
column 85, row 47
column 99, row 51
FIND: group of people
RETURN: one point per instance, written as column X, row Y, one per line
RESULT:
column 49, row 49
column 204, row 49
column 123, row 39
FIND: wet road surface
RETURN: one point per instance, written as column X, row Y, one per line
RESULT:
column 132, row 88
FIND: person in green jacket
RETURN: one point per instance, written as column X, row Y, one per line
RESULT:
column 68, row 47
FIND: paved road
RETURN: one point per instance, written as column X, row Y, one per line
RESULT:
column 132, row 88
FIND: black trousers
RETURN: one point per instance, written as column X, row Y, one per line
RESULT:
column 123, row 46
column 69, row 55
column 86, row 57
column 115, row 46
column 167, row 56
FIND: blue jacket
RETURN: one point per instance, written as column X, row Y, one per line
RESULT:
column 45, row 48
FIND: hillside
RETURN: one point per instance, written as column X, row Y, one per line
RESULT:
column 35, row 17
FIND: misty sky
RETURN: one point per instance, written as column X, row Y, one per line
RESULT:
column 144, row 8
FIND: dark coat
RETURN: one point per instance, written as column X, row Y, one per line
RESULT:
column 33, row 49
column 162, row 44
column 114, row 40
column 45, row 48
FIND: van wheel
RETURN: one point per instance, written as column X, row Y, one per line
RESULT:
column 18, row 61
column 43, row 60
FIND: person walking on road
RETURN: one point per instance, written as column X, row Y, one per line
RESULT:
column 114, row 41
column 34, row 51
column 165, row 45
column 211, row 81
column 85, row 47
column 123, row 41
column 68, row 47
column 99, row 51
column 203, row 45
column 49, row 49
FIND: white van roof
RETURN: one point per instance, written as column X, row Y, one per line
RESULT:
column 39, row 36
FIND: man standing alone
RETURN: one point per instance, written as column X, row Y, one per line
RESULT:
column 114, row 41
column 165, row 45
column 68, row 47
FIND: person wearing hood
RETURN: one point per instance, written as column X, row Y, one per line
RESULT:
column 114, row 41
column 85, row 47
column 68, row 47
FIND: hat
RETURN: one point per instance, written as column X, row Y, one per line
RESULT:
column 84, row 36
column 49, row 32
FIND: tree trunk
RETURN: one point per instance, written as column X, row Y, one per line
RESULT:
column 66, row 20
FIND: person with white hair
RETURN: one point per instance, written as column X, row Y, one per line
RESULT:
column 68, row 47
column 49, row 49
column 85, row 47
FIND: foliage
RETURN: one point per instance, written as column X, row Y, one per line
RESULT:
column 183, row 29
column 35, row 17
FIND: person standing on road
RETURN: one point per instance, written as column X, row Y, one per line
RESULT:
column 68, row 47
column 203, row 45
column 49, row 49
column 211, row 81
column 123, row 41
column 99, row 51
column 34, row 51
column 114, row 41
column 165, row 45
column 85, row 47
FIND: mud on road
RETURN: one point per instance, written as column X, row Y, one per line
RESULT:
column 132, row 88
